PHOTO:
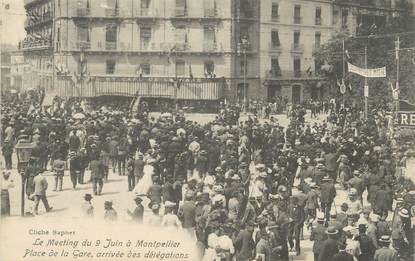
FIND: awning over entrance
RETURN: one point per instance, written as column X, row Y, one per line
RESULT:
column 188, row 89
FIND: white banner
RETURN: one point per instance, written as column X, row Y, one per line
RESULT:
column 370, row 73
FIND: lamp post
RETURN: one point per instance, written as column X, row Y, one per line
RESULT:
column 245, row 46
column 23, row 150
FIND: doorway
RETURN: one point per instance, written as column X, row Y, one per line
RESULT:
column 242, row 91
column 296, row 94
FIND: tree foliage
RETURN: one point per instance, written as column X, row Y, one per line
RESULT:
column 380, row 52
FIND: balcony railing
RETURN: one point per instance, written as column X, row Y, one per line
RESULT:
column 110, row 45
column 42, row 19
column 275, row 46
column 36, row 44
column 275, row 72
column 209, row 47
column 297, row 48
column 318, row 21
column 83, row 45
column 181, row 47
column 83, row 11
column 180, row 12
column 212, row 12
column 109, row 12
column 275, row 18
column 297, row 20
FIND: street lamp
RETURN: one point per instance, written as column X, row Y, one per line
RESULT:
column 23, row 150
column 244, row 45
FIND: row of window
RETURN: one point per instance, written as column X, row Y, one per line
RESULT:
column 275, row 14
column 275, row 39
column 180, row 35
column 144, row 69
column 181, row 8
column 276, row 70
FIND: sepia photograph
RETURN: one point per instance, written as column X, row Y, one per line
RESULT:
column 207, row 130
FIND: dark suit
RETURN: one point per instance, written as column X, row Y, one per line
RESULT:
column 97, row 174
column 154, row 194
column 328, row 250
column 328, row 193
column 187, row 213
column 244, row 245
column 318, row 235
column 386, row 254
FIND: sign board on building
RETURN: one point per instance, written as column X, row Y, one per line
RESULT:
column 406, row 118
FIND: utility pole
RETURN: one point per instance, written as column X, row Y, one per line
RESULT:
column 397, row 87
column 366, row 91
column 343, row 69
column 53, row 44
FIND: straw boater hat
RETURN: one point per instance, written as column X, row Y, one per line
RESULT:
column 320, row 217
column 352, row 192
column 138, row 198
column 385, row 239
column 404, row 213
column 169, row 204
column 331, row 230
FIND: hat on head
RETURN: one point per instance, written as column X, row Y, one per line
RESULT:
column 169, row 204
column 262, row 175
column 356, row 172
column 333, row 213
column 217, row 188
column 236, row 177
column 138, row 198
column 260, row 166
column 108, row 203
column 385, row 239
column 404, row 213
column 331, row 230
column 344, row 206
column 367, row 209
column 326, row 178
column 87, row 196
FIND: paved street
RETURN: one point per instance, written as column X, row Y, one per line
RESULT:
column 66, row 204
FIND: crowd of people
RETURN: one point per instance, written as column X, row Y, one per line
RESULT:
column 245, row 190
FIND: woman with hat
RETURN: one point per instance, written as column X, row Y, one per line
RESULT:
column 137, row 214
column 170, row 219
column 5, row 184
column 87, row 208
column 109, row 212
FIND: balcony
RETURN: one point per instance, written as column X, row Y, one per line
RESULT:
column 275, row 18
column 32, row 45
column 297, row 20
column 297, row 48
column 180, row 12
column 275, row 47
column 111, row 12
column 45, row 18
column 275, row 73
column 182, row 47
column 209, row 47
column 83, row 12
column 211, row 13
column 83, row 45
column 318, row 21
column 297, row 73
column 110, row 45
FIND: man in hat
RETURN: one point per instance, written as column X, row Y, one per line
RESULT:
column 367, row 249
column 382, row 200
column 311, row 204
column 109, row 212
column 59, row 169
column 343, row 216
column 130, row 173
column 329, row 247
column 7, row 150
column 263, row 249
column 97, row 175
column 137, row 214
column 187, row 213
column 83, row 158
column 343, row 255
column 87, row 208
column 39, row 194
column 318, row 235
column 372, row 229
column 244, row 243
column 74, row 167
column 138, row 167
column 385, row 253
column 328, row 193
column 155, row 191
column 5, row 184
column 401, row 231
column 357, row 183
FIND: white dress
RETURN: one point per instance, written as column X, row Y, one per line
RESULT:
column 145, row 182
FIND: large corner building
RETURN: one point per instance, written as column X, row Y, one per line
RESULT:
column 188, row 49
